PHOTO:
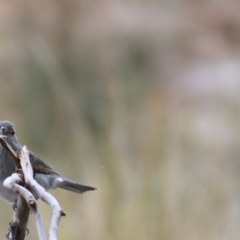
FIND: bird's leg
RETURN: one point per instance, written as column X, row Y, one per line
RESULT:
column 14, row 206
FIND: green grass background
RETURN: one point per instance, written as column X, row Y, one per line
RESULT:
column 138, row 98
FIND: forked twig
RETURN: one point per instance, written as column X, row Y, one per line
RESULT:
column 27, row 196
column 41, row 193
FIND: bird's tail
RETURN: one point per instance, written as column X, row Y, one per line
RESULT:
column 74, row 186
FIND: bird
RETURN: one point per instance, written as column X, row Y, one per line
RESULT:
column 44, row 174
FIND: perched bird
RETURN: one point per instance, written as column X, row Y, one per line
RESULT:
column 43, row 173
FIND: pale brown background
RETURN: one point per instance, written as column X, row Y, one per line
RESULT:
column 138, row 98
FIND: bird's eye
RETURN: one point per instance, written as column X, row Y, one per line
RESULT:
column 12, row 133
column 3, row 129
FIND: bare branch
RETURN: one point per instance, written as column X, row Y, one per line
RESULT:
column 41, row 193
column 25, row 200
column 31, row 186
column 18, row 226
column 12, row 183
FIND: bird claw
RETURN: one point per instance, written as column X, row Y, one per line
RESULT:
column 14, row 206
column 19, row 170
column 9, row 231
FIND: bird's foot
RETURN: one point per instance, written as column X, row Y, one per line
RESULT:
column 14, row 206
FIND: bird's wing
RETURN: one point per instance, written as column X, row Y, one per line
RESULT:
column 39, row 166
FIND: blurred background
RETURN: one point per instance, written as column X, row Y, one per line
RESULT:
column 138, row 98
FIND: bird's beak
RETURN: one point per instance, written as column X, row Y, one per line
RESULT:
column 2, row 136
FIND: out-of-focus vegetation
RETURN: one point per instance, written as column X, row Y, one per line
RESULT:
column 138, row 98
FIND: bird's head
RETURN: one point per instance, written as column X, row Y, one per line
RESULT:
column 6, row 129
column 8, row 137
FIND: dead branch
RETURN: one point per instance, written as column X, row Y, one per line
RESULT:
column 27, row 201
column 27, row 196
column 18, row 226
column 41, row 193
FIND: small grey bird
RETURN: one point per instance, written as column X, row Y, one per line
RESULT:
column 43, row 173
